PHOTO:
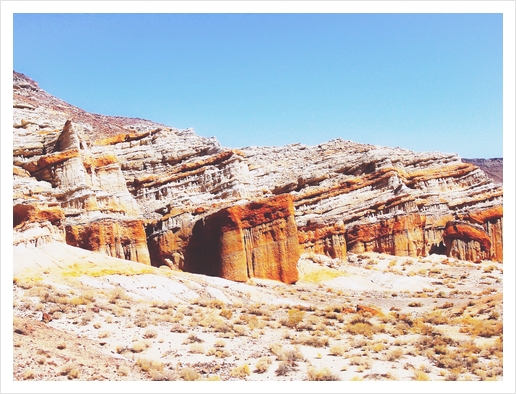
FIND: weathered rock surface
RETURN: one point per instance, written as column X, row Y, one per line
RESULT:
column 255, row 240
column 492, row 167
column 146, row 192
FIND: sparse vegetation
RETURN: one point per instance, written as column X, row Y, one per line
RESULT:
column 453, row 333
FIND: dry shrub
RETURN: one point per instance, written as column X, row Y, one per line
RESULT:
column 220, row 343
column 479, row 327
column 276, row 349
column 337, row 350
column 420, row 375
column 189, row 374
column 70, row 370
column 28, row 374
column 192, row 338
column 219, row 353
column 259, row 310
column 227, row 313
column 196, row 348
column 312, row 341
column 239, row 330
column 436, row 318
column 150, row 334
column 117, row 293
column 140, row 346
column 262, row 365
column 361, row 326
column 123, row 370
column 241, row 371
column 294, row 317
column 104, row 334
column 221, row 326
column 394, row 354
column 283, row 369
column 148, row 365
column 321, row 374
column 177, row 328
column 61, row 345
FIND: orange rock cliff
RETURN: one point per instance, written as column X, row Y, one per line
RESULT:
column 142, row 191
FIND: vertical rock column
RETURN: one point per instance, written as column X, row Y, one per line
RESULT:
column 258, row 240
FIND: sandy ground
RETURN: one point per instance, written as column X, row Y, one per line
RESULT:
column 80, row 316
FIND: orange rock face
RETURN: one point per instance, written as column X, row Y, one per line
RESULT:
column 29, row 213
column 122, row 239
column 324, row 239
column 467, row 241
column 399, row 236
column 245, row 241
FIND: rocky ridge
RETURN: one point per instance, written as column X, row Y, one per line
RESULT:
column 142, row 191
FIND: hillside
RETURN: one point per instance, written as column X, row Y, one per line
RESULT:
column 170, row 257
column 492, row 167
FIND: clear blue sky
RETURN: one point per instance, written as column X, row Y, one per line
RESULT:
column 418, row 81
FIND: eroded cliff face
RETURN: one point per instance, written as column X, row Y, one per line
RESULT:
column 139, row 190
column 255, row 240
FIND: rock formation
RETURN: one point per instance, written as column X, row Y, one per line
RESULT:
column 142, row 191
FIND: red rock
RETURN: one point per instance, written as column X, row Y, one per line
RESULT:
column 28, row 213
column 258, row 240
column 125, row 239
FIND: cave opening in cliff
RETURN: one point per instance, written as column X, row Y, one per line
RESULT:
column 438, row 249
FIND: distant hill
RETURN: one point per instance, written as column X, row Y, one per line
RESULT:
column 492, row 167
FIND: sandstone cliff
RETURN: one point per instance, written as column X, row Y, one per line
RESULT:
column 142, row 191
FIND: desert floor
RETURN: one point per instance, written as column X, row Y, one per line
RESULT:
column 83, row 316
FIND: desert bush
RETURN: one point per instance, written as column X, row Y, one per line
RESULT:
column 239, row 330
column 177, row 328
column 140, row 346
column 227, row 313
column 189, row 374
column 241, row 371
column 321, row 374
column 215, row 304
column 86, row 318
column 196, row 348
column 61, row 345
column 104, row 334
column 220, row 343
column 337, row 350
column 419, row 375
column 259, row 310
column 294, row 317
column 415, row 304
column 394, row 354
column 276, row 349
column 483, row 328
column 262, row 365
column 123, row 370
column 117, row 293
column 283, row 369
column 147, row 365
column 219, row 353
column 28, row 374
column 193, row 338
column 361, row 326
column 220, row 326
column 70, row 370
column 435, row 317
column 311, row 341
column 150, row 333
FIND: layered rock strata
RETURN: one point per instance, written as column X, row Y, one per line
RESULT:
column 143, row 191
column 255, row 240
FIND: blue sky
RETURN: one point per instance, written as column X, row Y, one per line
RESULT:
column 425, row 82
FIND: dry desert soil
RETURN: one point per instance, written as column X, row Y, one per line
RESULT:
column 375, row 317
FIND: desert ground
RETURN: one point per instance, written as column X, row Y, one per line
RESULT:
column 84, row 316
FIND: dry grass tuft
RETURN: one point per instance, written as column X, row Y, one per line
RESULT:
column 321, row 374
